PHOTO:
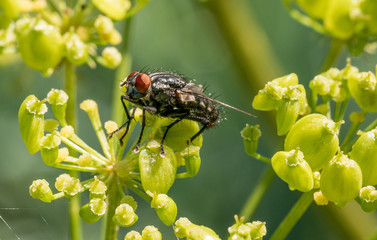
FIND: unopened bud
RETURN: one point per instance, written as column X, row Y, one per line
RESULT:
column 40, row 189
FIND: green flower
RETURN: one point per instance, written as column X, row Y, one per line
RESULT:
column 317, row 138
column 31, row 121
column 293, row 169
column 341, row 179
column 185, row 229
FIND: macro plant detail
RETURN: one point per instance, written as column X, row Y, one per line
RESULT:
column 326, row 154
column 314, row 160
column 351, row 22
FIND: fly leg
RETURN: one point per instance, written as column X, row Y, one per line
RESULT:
column 126, row 124
column 136, row 148
column 198, row 133
column 166, row 132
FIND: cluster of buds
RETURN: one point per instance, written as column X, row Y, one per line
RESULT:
column 147, row 173
column 346, row 20
column 247, row 231
column 47, row 33
column 313, row 159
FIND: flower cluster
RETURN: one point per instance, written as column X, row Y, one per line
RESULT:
column 47, row 32
column 313, row 158
column 351, row 21
column 146, row 172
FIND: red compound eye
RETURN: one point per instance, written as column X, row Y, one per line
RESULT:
column 132, row 74
column 142, row 83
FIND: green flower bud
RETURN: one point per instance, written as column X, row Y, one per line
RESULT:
column 165, row 207
column 368, row 199
column 246, row 231
column 151, row 233
column 31, row 122
column 69, row 185
column 317, row 137
column 178, row 135
column 192, row 161
column 85, row 160
column 40, row 189
column 110, row 58
column 341, row 179
column 315, row 9
column 286, row 115
column 62, row 155
column 67, row 131
column 94, row 210
column 330, row 84
column 103, row 25
column 97, row 188
column 369, row 8
column 130, row 201
column 125, row 215
column 50, row 148
column 293, row 169
column 250, row 136
column 40, row 44
column 157, row 172
column 364, row 152
column 320, row 199
column 115, row 9
column 133, row 235
column 338, row 20
column 185, row 229
column 10, row 8
column 268, row 98
column 76, row 50
column 363, row 88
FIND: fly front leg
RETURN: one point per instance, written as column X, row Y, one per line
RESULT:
column 126, row 124
column 136, row 148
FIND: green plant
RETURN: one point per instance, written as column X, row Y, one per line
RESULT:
column 312, row 161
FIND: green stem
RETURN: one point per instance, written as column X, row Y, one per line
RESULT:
column 77, row 168
column 120, row 74
column 371, row 126
column 70, row 87
column 113, row 198
column 118, row 114
column 340, row 114
column 332, row 55
column 350, row 133
column 293, row 216
column 261, row 158
column 257, row 195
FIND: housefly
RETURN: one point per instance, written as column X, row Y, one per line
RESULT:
column 169, row 94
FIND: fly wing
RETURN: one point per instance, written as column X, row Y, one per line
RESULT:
column 197, row 91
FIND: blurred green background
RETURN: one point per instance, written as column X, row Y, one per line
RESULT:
column 200, row 41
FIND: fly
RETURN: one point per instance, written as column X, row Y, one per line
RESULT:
column 168, row 94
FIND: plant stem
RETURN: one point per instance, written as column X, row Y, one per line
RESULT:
column 113, row 198
column 70, row 87
column 332, row 55
column 293, row 216
column 350, row 133
column 122, row 70
column 257, row 195
column 371, row 126
column 261, row 158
